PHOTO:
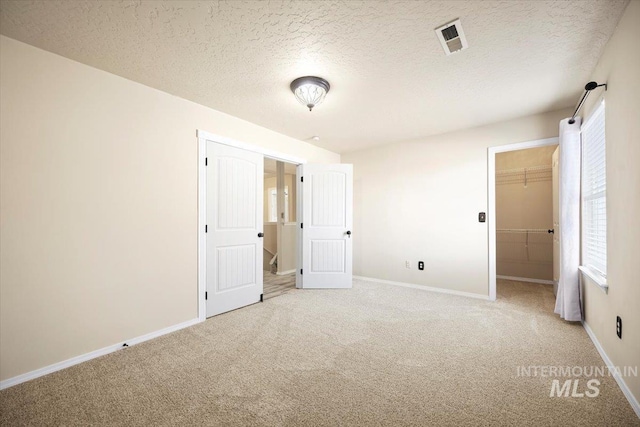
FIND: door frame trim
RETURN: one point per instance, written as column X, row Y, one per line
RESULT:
column 491, row 205
column 203, row 137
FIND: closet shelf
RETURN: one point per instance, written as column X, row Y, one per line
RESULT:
column 528, row 245
column 524, row 175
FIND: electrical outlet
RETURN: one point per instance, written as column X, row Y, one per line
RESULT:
column 407, row 264
column 420, row 265
column 619, row 327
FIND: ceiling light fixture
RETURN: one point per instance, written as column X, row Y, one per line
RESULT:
column 310, row 91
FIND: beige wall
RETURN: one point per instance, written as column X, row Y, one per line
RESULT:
column 524, row 207
column 99, row 206
column 420, row 201
column 525, row 158
column 287, row 252
column 288, row 231
column 619, row 66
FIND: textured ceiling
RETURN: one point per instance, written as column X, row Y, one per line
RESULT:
column 390, row 80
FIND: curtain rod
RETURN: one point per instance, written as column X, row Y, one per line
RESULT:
column 587, row 88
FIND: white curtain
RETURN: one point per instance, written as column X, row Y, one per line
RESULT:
column 568, row 304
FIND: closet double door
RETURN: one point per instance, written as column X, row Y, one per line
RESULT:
column 234, row 226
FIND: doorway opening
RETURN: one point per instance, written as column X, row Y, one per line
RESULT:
column 231, row 210
column 522, row 216
column 525, row 218
column 280, row 228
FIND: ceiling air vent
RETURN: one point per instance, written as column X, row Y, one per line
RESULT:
column 452, row 37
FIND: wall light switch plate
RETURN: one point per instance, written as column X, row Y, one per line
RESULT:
column 482, row 217
column 619, row 327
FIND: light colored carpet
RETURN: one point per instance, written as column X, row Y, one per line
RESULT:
column 372, row 355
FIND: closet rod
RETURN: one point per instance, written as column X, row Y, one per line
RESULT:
column 524, row 230
column 587, row 88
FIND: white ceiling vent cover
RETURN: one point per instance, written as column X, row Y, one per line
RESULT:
column 452, row 37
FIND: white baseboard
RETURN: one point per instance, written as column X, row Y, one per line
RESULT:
column 92, row 355
column 284, row 273
column 616, row 375
column 424, row 288
column 526, row 279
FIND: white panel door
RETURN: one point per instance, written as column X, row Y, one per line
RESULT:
column 327, row 218
column 556, row 218
column 234, row 228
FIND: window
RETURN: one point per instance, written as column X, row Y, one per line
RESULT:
column 273, row 204
column 594, row 197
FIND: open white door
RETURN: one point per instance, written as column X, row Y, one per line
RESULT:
column 234, row 228
column 327, row 218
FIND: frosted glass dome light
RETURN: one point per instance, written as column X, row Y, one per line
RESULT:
column 310, row 91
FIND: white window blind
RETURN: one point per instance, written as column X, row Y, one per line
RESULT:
column 594, row 194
